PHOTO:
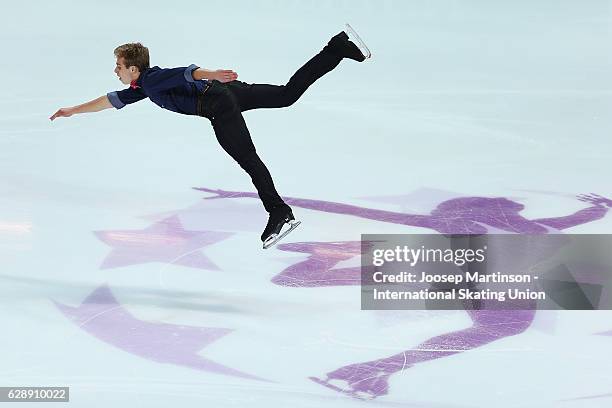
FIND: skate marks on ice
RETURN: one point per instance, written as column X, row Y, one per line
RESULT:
column 166, row 241
column 369, row 380
column 465, row 215
column 454, row 215
column 103, row 317
column 589, row 397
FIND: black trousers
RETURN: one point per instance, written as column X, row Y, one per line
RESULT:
column 223, row 104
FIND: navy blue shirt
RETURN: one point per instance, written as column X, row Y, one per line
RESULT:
column 170, row 88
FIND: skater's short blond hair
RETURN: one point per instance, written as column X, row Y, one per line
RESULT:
column 133, row 54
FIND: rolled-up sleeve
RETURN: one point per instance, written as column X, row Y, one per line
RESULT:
column 189, row 72
column 124, row 97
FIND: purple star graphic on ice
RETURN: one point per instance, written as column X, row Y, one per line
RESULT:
column 103, row 317
column 165, row 241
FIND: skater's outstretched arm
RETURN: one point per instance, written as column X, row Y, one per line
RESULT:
column 416, row 220
column 95, row 105
column 600, row 207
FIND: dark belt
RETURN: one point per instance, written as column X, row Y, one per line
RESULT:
column 207, row 86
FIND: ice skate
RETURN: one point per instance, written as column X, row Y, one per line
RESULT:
column 355, row 39
column 280, row 224
column 348, row 44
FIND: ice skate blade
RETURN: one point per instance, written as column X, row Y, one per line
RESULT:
column 354, row 37
column 274, row 238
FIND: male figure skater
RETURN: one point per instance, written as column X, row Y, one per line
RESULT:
column 221, row 98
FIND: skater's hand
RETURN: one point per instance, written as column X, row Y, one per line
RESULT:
column 225, row 75
column 595, row 199
column 63, row 112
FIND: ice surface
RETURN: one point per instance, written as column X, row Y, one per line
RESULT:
column 123, row 282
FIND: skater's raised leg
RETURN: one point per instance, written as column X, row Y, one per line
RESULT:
column 223, row 103
column 255, row 96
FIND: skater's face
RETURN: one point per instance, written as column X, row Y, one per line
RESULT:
column 126, row 74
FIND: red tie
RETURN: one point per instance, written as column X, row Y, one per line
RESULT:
column 133, row 85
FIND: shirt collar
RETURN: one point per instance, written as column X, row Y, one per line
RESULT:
column 138, row 82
